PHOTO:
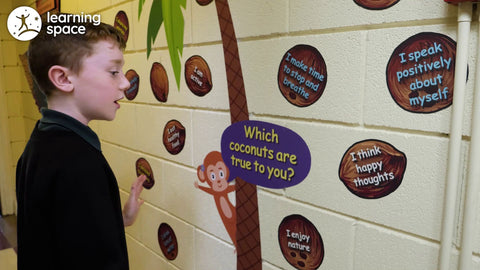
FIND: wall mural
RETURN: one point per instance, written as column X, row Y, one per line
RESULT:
column 247, row 230
column 168, row 13
column 256, row 153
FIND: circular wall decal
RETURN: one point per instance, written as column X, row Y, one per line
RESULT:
column 372, row 169
column 300, row 242
column 198, row 76
column 204, row 2
column 376, row 4
column 167, row 241
column 174, row 137
column 143, row 167
column 420, row 73
column 121, row 24
column 302, row 75
column 159, row 82
column 134, row 79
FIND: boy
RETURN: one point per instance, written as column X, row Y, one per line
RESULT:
column 69, row 213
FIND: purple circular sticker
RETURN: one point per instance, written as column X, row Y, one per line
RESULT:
column 265, row 154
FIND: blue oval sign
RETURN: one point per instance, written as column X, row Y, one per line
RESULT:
column 265, row 154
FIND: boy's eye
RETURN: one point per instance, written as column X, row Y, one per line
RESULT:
column 114, row 72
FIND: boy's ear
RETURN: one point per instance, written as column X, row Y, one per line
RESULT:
column 58, row 75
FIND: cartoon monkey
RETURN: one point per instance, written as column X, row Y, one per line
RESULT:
column 215, row 173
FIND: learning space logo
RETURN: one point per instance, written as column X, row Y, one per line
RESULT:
column 24, row 23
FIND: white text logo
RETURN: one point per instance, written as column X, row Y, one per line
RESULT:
column 68, row 21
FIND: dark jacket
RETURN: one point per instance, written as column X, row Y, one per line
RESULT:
column 69, row 212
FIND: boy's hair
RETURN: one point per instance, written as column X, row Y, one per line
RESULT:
column 67, row 50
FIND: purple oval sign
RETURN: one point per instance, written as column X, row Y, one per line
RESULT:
column 265, row 154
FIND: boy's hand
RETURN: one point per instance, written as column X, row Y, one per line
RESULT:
column 130, row 210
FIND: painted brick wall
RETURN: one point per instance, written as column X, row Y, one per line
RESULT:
column 400, row 231
column 21, row 111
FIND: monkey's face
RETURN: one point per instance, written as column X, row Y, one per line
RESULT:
column 218, row 175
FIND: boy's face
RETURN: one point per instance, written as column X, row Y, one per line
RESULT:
column 100, row 83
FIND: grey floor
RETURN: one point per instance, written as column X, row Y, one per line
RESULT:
column 8, row 231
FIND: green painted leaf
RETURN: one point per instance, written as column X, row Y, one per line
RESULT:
column 174, row 28
column 170, row 13
column 140, row 7
column 155, row 20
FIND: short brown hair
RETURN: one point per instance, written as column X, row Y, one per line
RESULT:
column 67, row 50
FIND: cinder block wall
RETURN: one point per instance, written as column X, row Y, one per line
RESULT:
column 19, row 112
column 399, row 231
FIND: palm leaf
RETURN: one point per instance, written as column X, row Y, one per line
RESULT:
column 140, row 7
column 170, row 13
column 174, row 27
column 155, row 20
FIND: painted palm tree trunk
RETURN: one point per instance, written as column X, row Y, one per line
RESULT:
column 248, row 231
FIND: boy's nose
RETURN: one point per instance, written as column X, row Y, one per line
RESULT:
column 125, row 83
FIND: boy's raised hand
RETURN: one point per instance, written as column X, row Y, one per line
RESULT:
column 132, row 206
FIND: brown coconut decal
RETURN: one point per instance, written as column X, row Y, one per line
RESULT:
column 302, row 75
column 143, row 167
column 204, row 2
column 372, row 169
column 159, row 82
column 198, row 76
column 174, row 137
column 134, row 79
column 121, row 24
column 376, row 4
column 167, row 241
column 300, row 243
column 420, row 73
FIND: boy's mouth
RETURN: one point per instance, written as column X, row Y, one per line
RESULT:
column 118, row 99
column 116, row 102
